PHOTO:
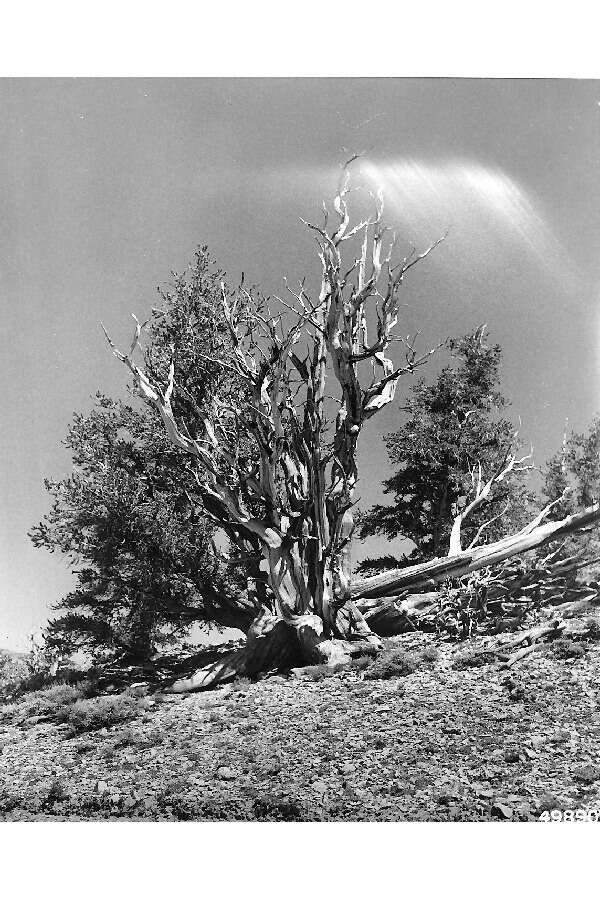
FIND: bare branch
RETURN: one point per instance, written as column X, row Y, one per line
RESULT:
column 485, row 525
column 544, row 513
column 215, row 486
column 482, row 493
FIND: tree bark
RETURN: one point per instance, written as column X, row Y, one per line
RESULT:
column 276, row 642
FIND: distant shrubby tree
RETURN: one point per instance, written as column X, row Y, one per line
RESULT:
column 574, row 472
column 13, row 670
column 451, row 427
column 128, row 516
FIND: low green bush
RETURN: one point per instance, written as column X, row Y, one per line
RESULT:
column 392, row 664
column 472, row 659
column 25, row 673
column 592, row 629
column 360, row 663
column 51, row 700
column 429, row 655
column 395, row 662
column 47, row 702
column 101, row 712
column 318, row 673
column 563, row 648
column 274, row 808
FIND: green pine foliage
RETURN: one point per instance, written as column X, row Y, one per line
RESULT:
column 576, row 467
column 573, row 475
column 129, row 516
column 449, row 427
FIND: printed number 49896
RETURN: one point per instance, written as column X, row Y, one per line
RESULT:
column 570, row 815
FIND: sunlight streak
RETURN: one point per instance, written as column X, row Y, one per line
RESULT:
column 484, row 208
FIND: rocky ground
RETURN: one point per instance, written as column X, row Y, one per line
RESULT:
column 440, row 744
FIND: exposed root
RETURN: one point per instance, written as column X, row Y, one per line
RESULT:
column 274, row 643
column 270, row 644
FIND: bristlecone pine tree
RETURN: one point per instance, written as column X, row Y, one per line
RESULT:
column 291, row 498
column 129, row 517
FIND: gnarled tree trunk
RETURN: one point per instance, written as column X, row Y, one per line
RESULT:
column 293, row 501
column 274, row 643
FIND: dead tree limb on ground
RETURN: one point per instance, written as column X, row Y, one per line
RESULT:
column 394, row 581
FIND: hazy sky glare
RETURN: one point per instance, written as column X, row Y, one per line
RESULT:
column 108, row 185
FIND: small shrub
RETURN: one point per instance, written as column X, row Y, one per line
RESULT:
column 240, row 712
column 126, row 738
column 56, row 793
column 429, row 655
column 145, row 741
column 187, row 808
column 318, row 673
column 360, row 663
column 593, row 629
column 392, row 664
column 51, row 700
column 33, row 671
column 272, row 808
column 47, row 702
column 315, row 673
column 101, row 712
column 247, row 727
column 471, row 659
column 563, row 648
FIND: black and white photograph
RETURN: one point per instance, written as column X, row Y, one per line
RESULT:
column 300, row 450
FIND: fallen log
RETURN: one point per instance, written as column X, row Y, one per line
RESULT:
column 389, row 616
column 394, row 581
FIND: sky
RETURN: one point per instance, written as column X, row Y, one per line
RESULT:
column 107, row 186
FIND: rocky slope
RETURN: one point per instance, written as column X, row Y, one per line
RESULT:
column 440, row 745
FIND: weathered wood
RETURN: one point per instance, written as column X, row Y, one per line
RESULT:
column 533, row 635
column 389, row 616
column 396, row 580
column 270, row 644
column 273, row 643
column 520, row 654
